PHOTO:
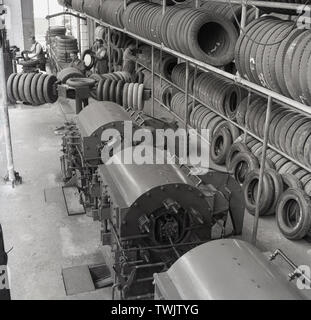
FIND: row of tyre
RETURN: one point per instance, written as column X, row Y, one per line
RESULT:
column 276, row 54
column 203, row 34
column 218, row 93
column 289, row 131
column 32, row 88
column 110, row 11
column 286, row 188
column 126, row 94
column 206, row 36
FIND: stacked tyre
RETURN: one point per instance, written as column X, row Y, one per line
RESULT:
column 163, row 92
column 178, row 77
column 276, row 54
column 32, row 88
column 65, row 45
column 289, row 131
column 232, row 12
column 207, row 37
column 109, row 82
column 144, row 19
column 163, row 63
column 111, row 11
column 53, row 32
column 133, row 96
column 286, row 189
column 178, row 106
column 218, row 93
column 92, row 8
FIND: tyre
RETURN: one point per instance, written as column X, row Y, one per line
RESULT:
column 49, row 89
column 290, row 181
column 278, row 188
column 10, row 87
column 250, row 190
column 40, row 86
column 27, row 88
column 68, row 73
column 33, row 90
column 293, row 214
column 21, row 85
column 221, row 144
column 241, row 165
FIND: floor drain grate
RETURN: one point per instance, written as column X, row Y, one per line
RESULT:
column 83, row 279
column 101, row 276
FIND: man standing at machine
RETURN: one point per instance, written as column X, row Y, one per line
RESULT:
column 36, row 52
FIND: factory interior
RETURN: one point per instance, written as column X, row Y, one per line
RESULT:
column 155, row 150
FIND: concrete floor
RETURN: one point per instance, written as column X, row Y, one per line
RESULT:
column 36, row 225
column 33, row 215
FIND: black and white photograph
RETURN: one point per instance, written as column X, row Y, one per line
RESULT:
column 155, row 154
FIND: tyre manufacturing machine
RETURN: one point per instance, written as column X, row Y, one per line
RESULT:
column 228, row 269
column 82, row 147
column 150, row 214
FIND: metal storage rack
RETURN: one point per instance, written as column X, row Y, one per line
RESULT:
column 251, row 87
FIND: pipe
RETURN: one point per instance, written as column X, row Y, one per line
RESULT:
column 5, row 114
column 262, row 170
column 297, row 271
column 50, row 16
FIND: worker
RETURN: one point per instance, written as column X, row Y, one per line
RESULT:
column 101, row 54
column 36, row 52
column 77, row 63
column 129, row 57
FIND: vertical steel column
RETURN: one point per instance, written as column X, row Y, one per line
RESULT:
column 109, row 49
column 136, row 59
column 152, row 79
column 257, row 13
column 262, row 170
column 5, row 113
column 161, row 51
column 187, row 95
column 197, row 3
column 79, row 32
column 246, row 115
column 194, row 82
column 163, row 7
column 243, row 16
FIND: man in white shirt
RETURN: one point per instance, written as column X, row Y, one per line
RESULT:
column 36, row 52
